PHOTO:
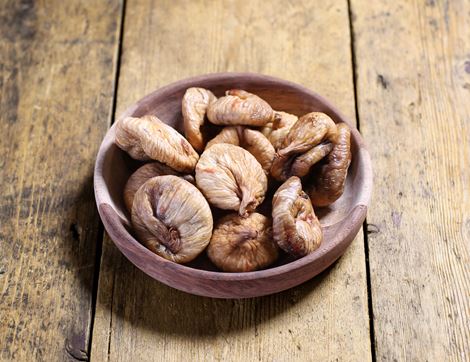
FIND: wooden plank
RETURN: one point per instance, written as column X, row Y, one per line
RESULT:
column 57, row 70
column 138, row 318
column 414, row 91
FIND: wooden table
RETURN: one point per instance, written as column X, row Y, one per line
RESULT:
column 400, row 69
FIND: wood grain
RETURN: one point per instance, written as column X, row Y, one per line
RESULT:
column 414, row 90
column 56, row 88
column 138, row 318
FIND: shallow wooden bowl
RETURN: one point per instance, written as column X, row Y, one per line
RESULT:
column 341, row 221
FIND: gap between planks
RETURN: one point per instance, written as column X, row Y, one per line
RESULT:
column 101, row 233
column 365, row 225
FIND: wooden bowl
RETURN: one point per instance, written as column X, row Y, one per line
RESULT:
column 341, row 221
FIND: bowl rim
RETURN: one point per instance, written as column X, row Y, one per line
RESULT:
column 325, row 248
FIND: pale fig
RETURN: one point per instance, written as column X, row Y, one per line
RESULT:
column 148, row 138
column 278, row 129
column 239, row 107
column 251, row 140
column 231, row 178
column 194, row 107
column 144, row 173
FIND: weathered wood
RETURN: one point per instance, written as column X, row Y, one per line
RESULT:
column 414, row 90
column 138, row 318
column 56, row 88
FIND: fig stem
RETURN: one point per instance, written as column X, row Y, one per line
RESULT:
column 245, row 235
column 168, row 237
column 174, row 242
column 248, row 202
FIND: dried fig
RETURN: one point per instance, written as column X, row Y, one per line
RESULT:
column 148, row 138
column 312, row 131
column 277, row 130
column 296, row 228
column 302, row 164
column 231, row 178
column 194, row 107
column 267, row 128
column 144, row 173
column 172, row 218
column 239, row 107
column 329, row 176
column 242, row 244
column 260, row 147
column 251, row 140
column 228, row 135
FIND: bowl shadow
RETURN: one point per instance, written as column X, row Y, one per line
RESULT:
column 141, row 302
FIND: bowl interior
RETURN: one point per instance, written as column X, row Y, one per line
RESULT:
column 165, row 103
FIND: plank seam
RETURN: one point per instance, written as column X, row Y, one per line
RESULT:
column 364, row 226
column 100, row 236
column 108, row 351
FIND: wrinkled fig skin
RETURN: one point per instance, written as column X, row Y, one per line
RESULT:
column 310, row 131
column 277, row 130
column 329, row 177
column 242, row 244
column 251, row 140
column 260, row 147
column 194, row 107
column 148, row 138
column 267, row 128
column 228, row 135
column 231, row 178
column 302, row 164
column 144, row 173
column 239, row 107
column 172, row 218
column 296, row 228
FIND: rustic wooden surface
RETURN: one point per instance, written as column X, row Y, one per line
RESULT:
column 57, row 68
column 139, row 318
column 58, row 72
column 413, row 67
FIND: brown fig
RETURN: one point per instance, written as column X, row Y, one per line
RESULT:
column 296, row 228
column 242, row 244
column 328, row 178
column 172, row 218
column 312, row 132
